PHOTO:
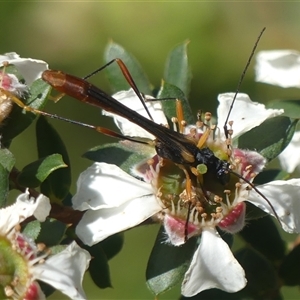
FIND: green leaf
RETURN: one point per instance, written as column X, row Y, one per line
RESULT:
column 253, row 212
column 270, row 138
column 113, row 245
column 46, row 288
column 7, row 160
column 177, row 71
column 101, row 253
column 270, row 175
column 57, row 230
column 291, row 107
column 57, row 185
column 19, row 119
column 263, row 235
column 289, row 270
column 114, row 74
column 32, row 229
column 124, row 154
column 168, row 90
column 167, row 264
column 99, row 268
column 261, row 275
column 36, row 172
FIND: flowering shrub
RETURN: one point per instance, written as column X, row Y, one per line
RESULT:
column 203, row 185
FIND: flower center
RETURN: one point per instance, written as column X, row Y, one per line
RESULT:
column 17, row 257
column 209, row 195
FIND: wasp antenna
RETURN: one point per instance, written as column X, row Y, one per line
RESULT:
column 241, row 80
column 258, row 192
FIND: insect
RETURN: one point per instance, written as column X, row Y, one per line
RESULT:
column 169, row 144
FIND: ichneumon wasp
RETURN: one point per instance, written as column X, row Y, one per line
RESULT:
column 170, row 145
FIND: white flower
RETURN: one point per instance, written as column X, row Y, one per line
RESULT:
column 64, row 271
column 284, row 196
column 31, row 69
column 115, row 208
column 282, row 68
column 245, row 113
column 23, row 263
column 290, row 157
column 278, row 67
column 115, row 201
column 130, row 99
column 227, row 274
column 23, row 208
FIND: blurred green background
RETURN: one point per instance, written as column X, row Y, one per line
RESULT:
column 71, row 36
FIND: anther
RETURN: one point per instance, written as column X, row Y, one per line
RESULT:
column 199, row 124
column 150, row 161
column 8, row 291
column 207, row 116
column 204, row 215
column 238, row 185
column 41, row 247
column 248, row 168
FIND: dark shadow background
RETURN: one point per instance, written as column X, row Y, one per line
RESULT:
column 71, row 37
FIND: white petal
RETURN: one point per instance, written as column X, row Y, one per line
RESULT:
column 104, row 186
column 278, row 67
column 97, row 225
column 245, row 113
column 290, row 156
column 213, row 266
column 284, row 196
column 30, row 69
column 43, row 208
column 130, row 99
column 23, row 208
column 64, row 271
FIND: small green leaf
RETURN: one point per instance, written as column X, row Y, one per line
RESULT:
column 99, row 268
column 270, row 175
column 49, row 142
column 291, row 107
column 270, row 138
column 57, row 229
column 261, row 275
column 113, row 245
column 36, row 172
column 114, row 74
column 253, row 212
column 177, row 71
column 32, row 229
column 263, row 235
column 46, row 288
column 124, row 154
column 169, row 106
column 7, row 160
column 57, row 249
column 19, row 119
column 167, row 264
